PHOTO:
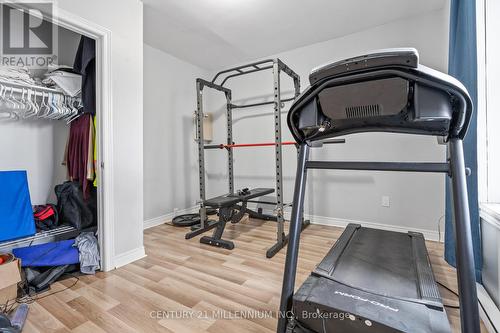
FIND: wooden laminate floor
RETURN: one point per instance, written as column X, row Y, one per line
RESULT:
column 192, row 279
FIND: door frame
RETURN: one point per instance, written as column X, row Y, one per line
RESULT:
column 104, row 112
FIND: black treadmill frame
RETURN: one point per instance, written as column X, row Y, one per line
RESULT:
column 454, row 167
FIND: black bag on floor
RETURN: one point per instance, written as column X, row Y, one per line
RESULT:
column 46, row 217
column 39, row 279
column 72, row 208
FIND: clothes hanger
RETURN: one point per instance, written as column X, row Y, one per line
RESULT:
column 52, row 106
column 10, row 100
column 44, row 108
column 4, row 112
column 2, row 88
column 13, row 104
column 49, row 106
column 25, row 107
column 67, row 104
column 3, row 99
column 76, row 111
column 37, row 106
column 32, row 106
column 59, row 105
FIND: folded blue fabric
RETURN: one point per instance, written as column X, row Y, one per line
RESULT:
column 16, row 213
column 49, row 254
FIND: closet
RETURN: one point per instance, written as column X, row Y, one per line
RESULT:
column 48, row 133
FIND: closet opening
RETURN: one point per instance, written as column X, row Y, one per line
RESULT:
column 51, row 201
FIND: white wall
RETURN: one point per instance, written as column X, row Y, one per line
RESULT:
column 170, row 164
column 125, row 21
column 492, row 88
column 417, row 200
column 33, row 145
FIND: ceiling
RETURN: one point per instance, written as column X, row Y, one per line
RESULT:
column 217, row 33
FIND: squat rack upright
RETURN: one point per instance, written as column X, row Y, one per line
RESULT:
column 277, row 66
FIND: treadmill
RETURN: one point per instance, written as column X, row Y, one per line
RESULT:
column 375, row 280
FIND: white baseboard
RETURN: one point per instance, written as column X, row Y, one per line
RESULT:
column 315, row 219
column 129, row 256
column 337, row 222
column 167, row 217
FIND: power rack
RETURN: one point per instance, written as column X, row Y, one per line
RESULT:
column 232, row 206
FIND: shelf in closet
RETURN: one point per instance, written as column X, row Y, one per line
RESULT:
column 18, row 88
column 59, row 233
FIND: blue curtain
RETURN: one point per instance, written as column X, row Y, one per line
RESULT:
column 462, row 64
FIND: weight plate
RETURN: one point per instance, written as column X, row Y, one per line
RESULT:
column 188, row 220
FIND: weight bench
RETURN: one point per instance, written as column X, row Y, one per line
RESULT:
column 231, row 208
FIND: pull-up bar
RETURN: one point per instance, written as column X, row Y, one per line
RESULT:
column 263, row 144
column 244, row 69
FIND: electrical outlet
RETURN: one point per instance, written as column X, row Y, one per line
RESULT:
column 386, row 201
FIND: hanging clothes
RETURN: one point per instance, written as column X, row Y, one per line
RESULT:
column 78, row 152
column 79, row 156
column 85, row 65
column 90, row 156
column 95, row 152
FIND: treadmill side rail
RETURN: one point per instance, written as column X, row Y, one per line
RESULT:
column 329, row 262
column 428, row 289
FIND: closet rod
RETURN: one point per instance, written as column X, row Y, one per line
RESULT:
column 18, row 87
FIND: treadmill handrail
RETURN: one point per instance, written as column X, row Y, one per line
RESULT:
column 381, row 166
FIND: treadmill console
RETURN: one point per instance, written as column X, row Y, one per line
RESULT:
column 387, row 92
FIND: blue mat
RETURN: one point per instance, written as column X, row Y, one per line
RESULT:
column 16, row 213
column 50, row 254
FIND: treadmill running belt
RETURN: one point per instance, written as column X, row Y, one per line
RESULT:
column 380, row 262
column 382, row 279
column 385, row 263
